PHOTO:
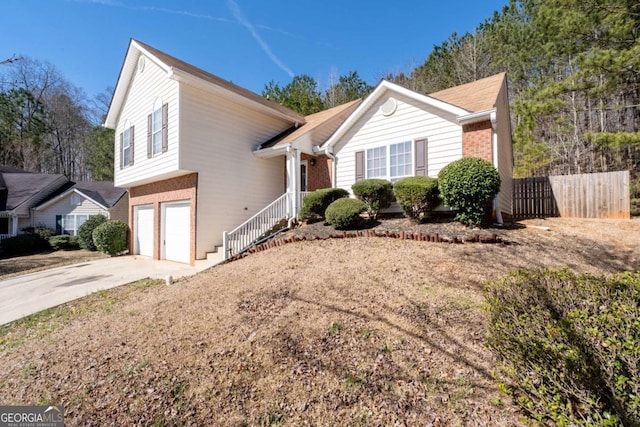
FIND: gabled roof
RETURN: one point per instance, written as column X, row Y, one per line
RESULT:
column 180, row 70
column 329, row 119
column 475, row 96
column 384, row 87
column 101, row 193
column 24, row 190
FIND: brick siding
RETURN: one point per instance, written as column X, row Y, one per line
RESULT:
column 476, row 140
column 318, row 175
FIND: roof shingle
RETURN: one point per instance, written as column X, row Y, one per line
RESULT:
column 475, row 96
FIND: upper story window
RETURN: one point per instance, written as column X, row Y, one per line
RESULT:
column 126, row 145
column 157, row 129
column 398, row 164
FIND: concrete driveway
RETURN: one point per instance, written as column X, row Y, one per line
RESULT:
column 24, row 295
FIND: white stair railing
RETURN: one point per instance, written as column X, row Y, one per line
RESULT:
column 243, row 236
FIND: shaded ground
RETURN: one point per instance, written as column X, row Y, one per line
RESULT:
column 11, row 267
column 360, row 331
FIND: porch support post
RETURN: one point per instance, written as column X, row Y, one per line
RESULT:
column 293, row 162
column 14, row 225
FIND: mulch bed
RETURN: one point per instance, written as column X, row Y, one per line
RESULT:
column 440, row 230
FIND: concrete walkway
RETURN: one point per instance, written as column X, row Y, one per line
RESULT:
column 30, row 293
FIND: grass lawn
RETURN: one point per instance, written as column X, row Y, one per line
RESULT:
column 360, row 331
column 15, row 266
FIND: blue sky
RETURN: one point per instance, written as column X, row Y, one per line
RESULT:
column 249, row 42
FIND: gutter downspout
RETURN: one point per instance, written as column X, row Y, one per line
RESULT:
column 494, row 151
column 334, row 166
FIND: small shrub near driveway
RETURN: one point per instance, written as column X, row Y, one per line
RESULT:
column 85, row 232
column 111, row 237
column 376, row 193
column 417, row 195
column 570, row 344
column 468, row 186
column 317, row 202
column 64, row 242
column 345, row 213
column 24, row 244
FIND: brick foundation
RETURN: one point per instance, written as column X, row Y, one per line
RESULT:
column 182, row 188
column 476, row 140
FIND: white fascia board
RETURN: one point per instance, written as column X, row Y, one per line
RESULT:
column 479, row 116
column 278, row 150
column 373, row 97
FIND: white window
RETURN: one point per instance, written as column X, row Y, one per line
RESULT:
column 398, row 164
column 71, row 223
column 377, row 162
column 126, row 147
column 157, row 131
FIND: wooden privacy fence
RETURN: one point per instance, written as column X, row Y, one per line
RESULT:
column 593, row 195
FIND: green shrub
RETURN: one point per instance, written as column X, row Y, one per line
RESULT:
column 570, row 345
column 345, row 213
column 85, row 232
column 417, row 196
column 64, row 242
column 24, row 244
column 376, row 193
column 111, row 237
column 40, row 230
column 468, row 186
column 317, row 202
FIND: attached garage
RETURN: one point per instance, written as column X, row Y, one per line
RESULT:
column 176, row 231
column 143, row 230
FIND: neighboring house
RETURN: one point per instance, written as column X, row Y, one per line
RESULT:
column 36, row 199
column 74, row 203
column 208, row 163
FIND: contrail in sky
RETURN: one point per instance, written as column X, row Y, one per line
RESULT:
column 233, row 7
column 242, row 20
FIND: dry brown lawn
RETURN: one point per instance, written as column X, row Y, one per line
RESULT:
column 10, row 267
column 360, row 331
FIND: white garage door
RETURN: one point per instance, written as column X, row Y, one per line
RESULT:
column 176, row 231
column 143, row 243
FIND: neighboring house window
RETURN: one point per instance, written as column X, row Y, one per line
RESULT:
column 157, row 129
column 4, row 225
column 126, row 145
column 398, row 164
column 69, row 224
column 76, row 200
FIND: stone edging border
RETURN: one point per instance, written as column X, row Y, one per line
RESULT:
column 403, row 235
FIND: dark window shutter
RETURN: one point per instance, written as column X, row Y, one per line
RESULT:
column 121, row 151
column 359, row 165
column 149, row 136
column 421, row 157
column 132, row 140
column 58, row 224
column 165, row 127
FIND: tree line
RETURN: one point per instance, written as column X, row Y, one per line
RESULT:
column 48, row 125
column 573, row 70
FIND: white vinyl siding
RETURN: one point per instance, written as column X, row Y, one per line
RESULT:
column 218, row 137
column 412, row 120
column 505, row 151
column 144, row 89
column 47, row 216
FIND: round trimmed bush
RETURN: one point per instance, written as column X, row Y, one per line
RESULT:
column 468, row 186
column 85, row 232
column 345, row 213
column 64, row 242
column 111, row 237
column 317, row 202
column 417, row 195
column 376, row 193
